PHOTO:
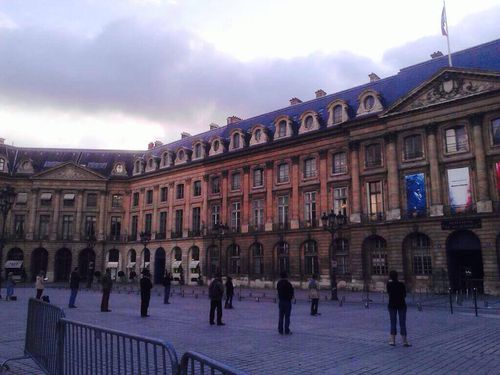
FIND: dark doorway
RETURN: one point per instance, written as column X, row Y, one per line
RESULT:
column 465, row 261
column 86, row 261
column 39, row 262
column 159, row 265
column 62, row 266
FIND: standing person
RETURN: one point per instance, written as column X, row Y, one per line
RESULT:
column 9, row 284
column 167, row 283
column 397, row 306
column 39, row 284
column 74, row 284
column 229, row 293
column 132, row 276
column 146, row 287
column 285, row 295
column 107, row 284
column 215, row 293
column 314, row 295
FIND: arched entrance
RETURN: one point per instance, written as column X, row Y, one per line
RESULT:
column 113, row 262
column 39, row 262
column 14, row 264
column 86, row 262
column 194, row 269
column 465, row 261
column 160, row 259
column 62, row 265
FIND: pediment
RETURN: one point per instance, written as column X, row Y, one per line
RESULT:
column 448, row 85
column 69, row 171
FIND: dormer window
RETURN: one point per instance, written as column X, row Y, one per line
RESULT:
column 337, row 114
column 180, row 155
column 119, row 168
column 165, row 159
column 309, row 122
column 282, row 128
column 258, row 134
column 216, row 146
column 236, row 140
column 369, row 102
column 197, row 151
column 2, row 165
column 138, row 167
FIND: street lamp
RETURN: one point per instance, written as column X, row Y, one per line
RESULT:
column 91, row 241
column 220, row 232
column 332, row 223
column 145, row 240
column 7, row 197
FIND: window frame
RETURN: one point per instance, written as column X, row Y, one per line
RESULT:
column 309, row 168
column 456, row 144
column 342, row 167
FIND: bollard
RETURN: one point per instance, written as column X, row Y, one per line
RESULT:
column 451, row 301
column 474, row 291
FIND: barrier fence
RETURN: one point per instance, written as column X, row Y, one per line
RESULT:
column 60, row 346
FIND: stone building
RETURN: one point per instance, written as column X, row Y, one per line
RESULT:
column 412, row 160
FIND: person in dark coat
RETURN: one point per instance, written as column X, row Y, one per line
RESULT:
column 132, row 276
column 215, row 293
column 146, row 287
column 396, row 291
column 74, row 284
column 167, row 282
column 107, row 284
column 229, row 293
column 285, row 296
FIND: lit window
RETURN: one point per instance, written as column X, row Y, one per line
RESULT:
column 116, row 201
column 375, row 203
column 340, row 200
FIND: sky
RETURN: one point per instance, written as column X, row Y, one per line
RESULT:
column 118, row 74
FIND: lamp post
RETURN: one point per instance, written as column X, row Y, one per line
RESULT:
column 7, row 197
column 91, row 241
column 332, row 223
column 220, row 232
column 145, row 240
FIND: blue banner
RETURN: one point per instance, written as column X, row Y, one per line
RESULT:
column 416, row 201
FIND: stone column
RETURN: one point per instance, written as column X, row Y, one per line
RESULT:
column 435, row 183
column 323, row 180
column 484, row 203
column 245, row 207
column 78, row 219
column 294, row 220
column 126, row 218
column 140, row 219
column 355, row 183
column 55, row 215
column 102, row 216
column 205, row 220
column 394, row 212
column 154, row 219
column 186, row 225
column 269, row 196
column 32, row 214
column 170, row 215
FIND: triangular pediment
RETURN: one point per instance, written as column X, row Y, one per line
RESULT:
column 69, row 171
column 446, row 86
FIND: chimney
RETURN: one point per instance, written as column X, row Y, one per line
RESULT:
column 437, row 54
column 213, row 126
column 151, row 145
column 373, row 77
column 2, row 141
column 294, row 101
column 185, row 135
column 158, row 143
column 320, row 93
column 233, row 120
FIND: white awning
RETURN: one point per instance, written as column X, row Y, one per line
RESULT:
column 176, row 263
column 194, row 263
column 22, row 198
column 112, row 264
column 69, row 197
column 13, row 264
column 46, row 196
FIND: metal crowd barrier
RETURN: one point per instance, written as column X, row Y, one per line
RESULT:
column 193, row 363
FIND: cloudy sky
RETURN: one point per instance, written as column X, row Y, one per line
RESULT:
column 121, row 73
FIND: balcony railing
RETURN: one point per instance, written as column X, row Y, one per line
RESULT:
column 176, row 234
column 308, row 224
column 65, row 237
column 375, row 217
column 40, row 237
column 160, row 235
column 132, row 238
column 194, row 233
column 16, row 236
column 281, row 226
column 117, row 238
column 255, row 228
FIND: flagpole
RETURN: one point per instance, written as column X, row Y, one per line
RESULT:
column 447, row 32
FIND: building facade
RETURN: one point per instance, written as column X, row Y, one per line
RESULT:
column 412, row 160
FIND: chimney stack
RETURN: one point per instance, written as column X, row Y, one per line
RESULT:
column 151, row 145
column 185, row 135
column 294, row 101
column 213, row 126
column 233, row 120
column 373, row 77
column 320, row 93
column 2, row 141
column 158, row 143
column 437, row 54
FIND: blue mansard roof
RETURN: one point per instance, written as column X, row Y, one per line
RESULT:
column 485, row 57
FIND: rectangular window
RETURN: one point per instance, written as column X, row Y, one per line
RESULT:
column 258, row 213
column 162, row 229
column 67, row 227
column 413, row 147
column 133, row 228
column 197, row 188
column 309, row 168
column 46, row 199
column 235, row 216
column 135, row 199
column 283, row 172
column 236, row 181
column 149, row 197
column 258, row 177
column 375, row 203
column 179, row 191
column 90, row 222
column 456, row 139
column 43, row 226
column 68, row 200
column 163, row 194
column 215, row 185
column 21, row 198
column 91, row 200
column 342, row 256
column 116, row 201
column 19, row 225
column 340, row 163
column 495, row 131
column 148, row 219
column 116, row 227
column 373, row 155
column 283, row 210
column 179, row 217
column 196, row 220
column 340, row 200
column 310, row 208
column 215, row 215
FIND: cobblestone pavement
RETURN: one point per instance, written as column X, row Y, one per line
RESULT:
column 343, row 340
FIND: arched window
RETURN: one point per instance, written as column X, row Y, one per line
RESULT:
column 164, row 159
column 113, row 255
column 236, row 140
column 215, row 146
column 234, row 259
column 341, row 252
column 195, row 253
column 420, row 252
column 177, row 254
column 132, row 256
column 258, row 258
column 258, row 134
column 138, row 166
column 308, row 122
column 180, row 155
column 282, row 128
column 283, row 257
column 146, row 258
column 15, row 254
column 337, row 114
column 197, row 151
column 311, row 266
column 378, row 256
